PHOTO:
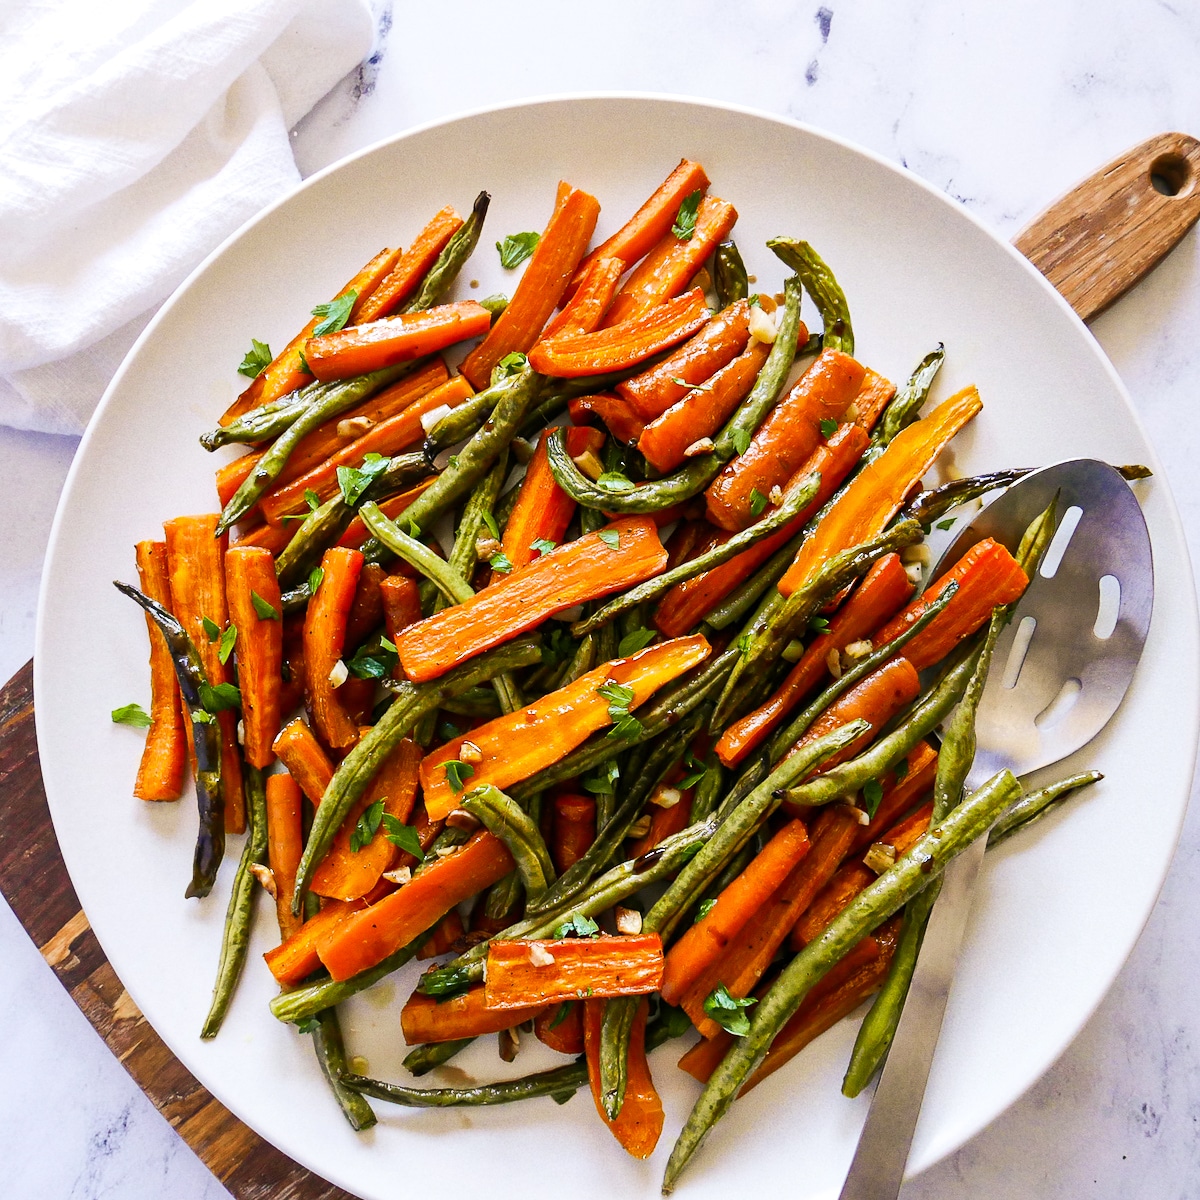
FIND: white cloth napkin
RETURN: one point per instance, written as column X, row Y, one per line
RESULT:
column 134, row 136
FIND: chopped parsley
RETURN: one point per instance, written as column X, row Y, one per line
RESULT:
column 366, row 827
column 312, row 500
column 257, row 359
column 685, row 219
column 610, row 537
column 264, row 608
column 828, row 427
column 353, row 481
column 511, row 364
column 314, row 579
column 218, row 699
column 728, row 1011
column 131, row 714
column 705, row 908
column 577, row 925
column 336, row 314
column 619, row 698
column 758, row 502
column 500, row 562
column 741, row 440
column 632, row 642
column 818, row 625
column 457, row 773
column 872, row 793
column 558, row 647
column 490, row 521
column 615, row 481
column 564, row 1011
column 945, row 524
column 543, row 545
column 212, row 630
column 900, row 770
column 228, row 641
column 371, row 663
column 603, row 781
column 696, row 771
column 516, row 248
column 404, row 836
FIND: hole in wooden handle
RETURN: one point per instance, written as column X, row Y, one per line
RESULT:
column 1171, row 175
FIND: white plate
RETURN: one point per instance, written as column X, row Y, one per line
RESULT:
column 1060, row 907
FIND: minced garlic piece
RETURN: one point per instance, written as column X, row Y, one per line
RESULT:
column 400, row 876
column 833, row 660
column 539, row 955
column 266, row 877
column 339, row 673
column 914, row 572
column 700, row 446
column 879, row 857
column 468, row 752
column 666, row 797
column 434, row 415
column 629, row 920
column 762, row 325
column 640, row 827
column 353, row 427
column 776, row 495
column 920, row 553
column 589, row 463
column 859, row 649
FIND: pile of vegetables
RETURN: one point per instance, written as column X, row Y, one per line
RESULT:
column 630, row 597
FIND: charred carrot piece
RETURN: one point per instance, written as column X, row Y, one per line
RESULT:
column 574, row 829
column 272, row 538
column 619, row 347
column 790, row 433
column 652, row 222
column 517, row 745
column 426, row 1019
column 987, row 575
column 358, row 349
column 256, row 609
column 586, row 308
column 549, row 270
column 664, row 823
column 873, row 397
column 295, row 959
column 523, row 972
column 688, row 603
column 899, row 794
column 639, row 1123
column 702, row 411
column 595, row 565
column 286, row 371
column 401, row 604
column 880, row 596
column 690, row 538
column 561, row 1027
column 447, row 934
column 722, row 340
column 366, row 613
column 543, row 510
column 616, row 414
column 161, row 769
column 324, row 639
column 328, row 439
column 285, row 844
column 196, row 567
column 672, row 264
column 355, row 862
column 411, row 267
column 877, row 492
column 393, row 508
column 369, row 936
column 704, row 942
column 306, row 761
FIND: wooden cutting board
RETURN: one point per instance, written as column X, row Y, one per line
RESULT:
column 1094, row 244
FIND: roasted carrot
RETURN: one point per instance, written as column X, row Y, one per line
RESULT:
column 543, row 510
column 701, row 411
column 366, row 937
column 391, row 340
column 324, row 640
column 285, row 844
column 987, row 575
column 665, row 822
column 876, row 493
column 553, row 263
column 306, row 761
column 255, row 608
column 666, row 383
column 574, row 829
column 528, row 972
column 615, row 414
column 366, row 613
column 882, row 592
column 286, row 371
column 429, row 1019
column 447, row 934
column 619, row 347
column 411, row 267
column 899, row 795
column 873, row 397
column 592, row 566
column 671, row 265
column 401, row 605
column 196, row 567
column 347, row 873
column 388, row 437
column 688, row 603
column 790, row 433
column 295, row 959
column 517, row 745
column 652, row 222
column 273, row 538
column 160, row 771
column 292, row 695
column 561, row 1027
column 704, row 942
column 689, row 539
column 586, row 308
column 639, row 1123
column 393, row 508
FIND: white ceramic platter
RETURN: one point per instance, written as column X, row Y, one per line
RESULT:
column 1060, row 907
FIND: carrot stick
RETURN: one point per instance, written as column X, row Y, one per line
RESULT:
column 616, row 414
column 561, row 1027
column 306, row 761
column 672, row 263
column 314, row 448
column 292, row 694
column 517, row 745
column 876, row 493
column 196, row 566
column 664, row 823
column 542, row 510
column 688, row 603
column 585, row 569
column 899, row 795
column 447, row 933
column 273, row 538
column 735, row 906
column 884, row 589
column 586, row 308
column 366, row 613
column 250, row 577
column 790, row 433
column 691, row 538
column 324, row 640
column 160, row 771
column 401, row 604
column 295, row 959
column 722, row 340
column 652, row 222
column 286, row 371
column 639, row 1123
column 393, row 508
column 873, row 397
column 285, row 844
column 987, row 575
column 429, row 1019
column 411, row 267
column 701, row 411
column 621, row 346
column 369, row 936
column 574, row 829
column 553, row 263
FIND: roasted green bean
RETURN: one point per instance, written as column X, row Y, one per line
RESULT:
column 441, row 276
column 821, row 284
column 504, row 818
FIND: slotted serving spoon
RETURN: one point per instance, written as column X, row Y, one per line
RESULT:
column 1059, row 672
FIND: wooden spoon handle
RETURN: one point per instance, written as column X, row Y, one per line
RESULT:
column 1110, row 231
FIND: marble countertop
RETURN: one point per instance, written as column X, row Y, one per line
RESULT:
column 1001, row 106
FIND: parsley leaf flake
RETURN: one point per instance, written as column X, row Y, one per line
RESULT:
column 367, row 826
column 516, row 248
column 336, row 313
column 728, row 1011
column 257, row 359
column 685, row 219
column 131, row 714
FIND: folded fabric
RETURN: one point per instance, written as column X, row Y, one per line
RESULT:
column 134, row 137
